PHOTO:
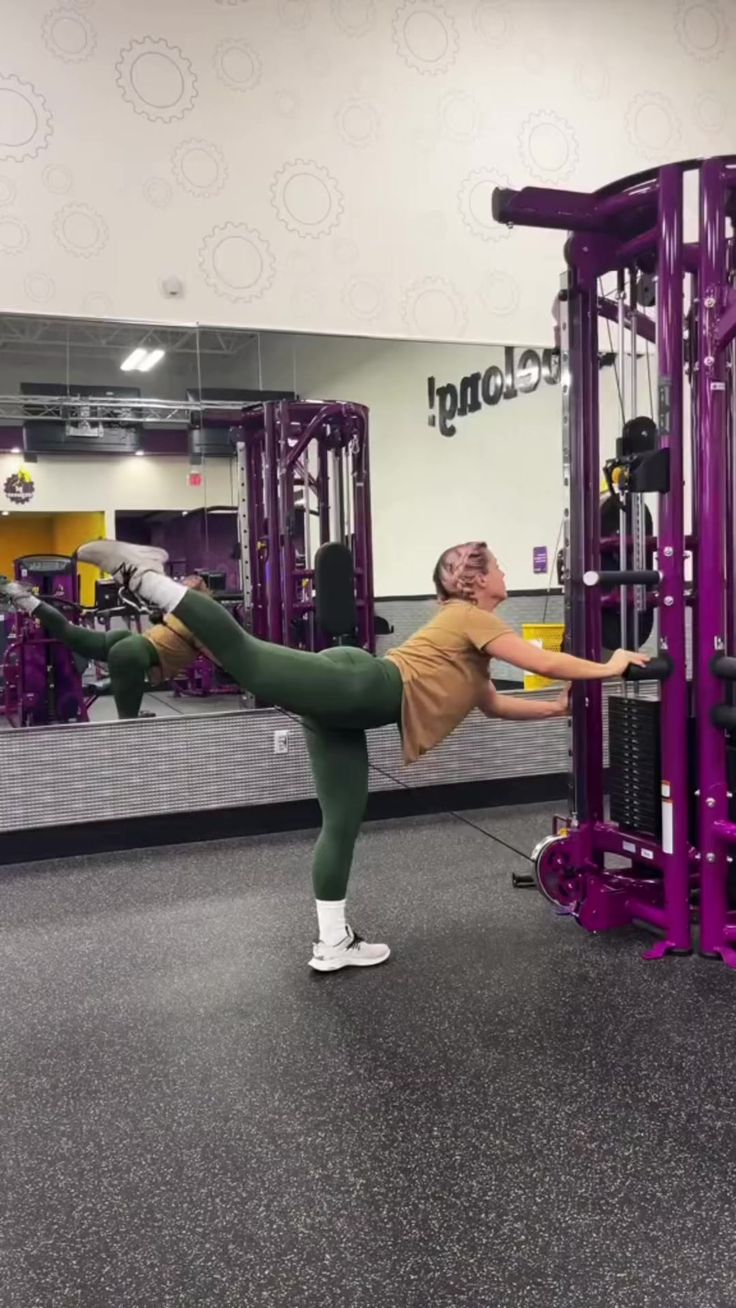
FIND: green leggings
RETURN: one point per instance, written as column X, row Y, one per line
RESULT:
column 339, row 694
column 129, row 657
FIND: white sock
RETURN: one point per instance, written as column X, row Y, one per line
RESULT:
column 27, row 603
column 331, row 917
column 160, row 590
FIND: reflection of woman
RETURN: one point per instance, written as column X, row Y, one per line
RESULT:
column 134, row 661
column 427, row 686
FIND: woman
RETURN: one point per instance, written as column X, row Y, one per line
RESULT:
column 134, row 660
column 427, row 687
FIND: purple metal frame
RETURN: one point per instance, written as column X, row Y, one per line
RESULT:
column 335, row 487
column 610, row 230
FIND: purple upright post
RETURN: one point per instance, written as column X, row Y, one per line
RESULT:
column 287, row 470
column 711, row 556
column 671, row 559
column 273, row 589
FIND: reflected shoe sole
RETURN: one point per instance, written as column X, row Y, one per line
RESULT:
column 118, row 556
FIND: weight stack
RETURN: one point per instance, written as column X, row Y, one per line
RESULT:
column 635, row 769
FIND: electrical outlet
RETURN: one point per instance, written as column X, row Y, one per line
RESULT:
column 280, row 742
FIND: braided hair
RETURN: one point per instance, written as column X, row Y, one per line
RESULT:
column 457, row 569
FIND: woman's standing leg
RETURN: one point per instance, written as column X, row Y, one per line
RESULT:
column 339, row 762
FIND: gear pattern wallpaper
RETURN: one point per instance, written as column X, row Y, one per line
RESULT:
column 328, row 165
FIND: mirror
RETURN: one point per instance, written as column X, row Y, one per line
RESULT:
column 132, row 430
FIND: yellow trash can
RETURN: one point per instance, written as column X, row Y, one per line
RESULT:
column 547, row 635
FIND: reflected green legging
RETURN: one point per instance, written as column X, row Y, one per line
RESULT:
column 339, row 694
column 129, row 657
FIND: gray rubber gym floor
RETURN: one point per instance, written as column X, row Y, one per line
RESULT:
column 509, row 1114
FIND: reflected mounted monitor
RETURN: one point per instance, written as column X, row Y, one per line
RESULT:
column 76, row 419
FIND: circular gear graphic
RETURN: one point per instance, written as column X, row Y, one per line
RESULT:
column 69, row 35
column 425, row 36
column 499, row 292
column 307, row 198
column 354, row 17
column 592, row 77
column 434, row 308
column 364, row 297
column 461, row 117
column 358, row 122
column 97, row 304
column 80, row 230
column 199, row 167
column 493, row 22
column 287, row 104
column 237, row 262
column 156, row 80
column 475, row 199
column 294, row 13
column 157, row 192
column 237, row 65
column 548, row 146
column 57, row 179
column 701, row 29
column 14, row 235
column 7, row 190
column 710, row 114
column 26, row 125
column 652, row 125
column 39, row 288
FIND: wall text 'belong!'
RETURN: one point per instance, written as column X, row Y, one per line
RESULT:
column 517, row 377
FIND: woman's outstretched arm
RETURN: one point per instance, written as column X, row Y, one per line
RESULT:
column 560, row 667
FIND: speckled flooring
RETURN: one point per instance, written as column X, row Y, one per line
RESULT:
column 510, row 1114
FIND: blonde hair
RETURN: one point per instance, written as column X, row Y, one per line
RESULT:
column 457, row 569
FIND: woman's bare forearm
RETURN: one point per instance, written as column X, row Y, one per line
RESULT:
column 566, row 667
column 514, row 709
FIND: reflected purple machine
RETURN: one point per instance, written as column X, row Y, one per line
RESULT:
column 41, row 682
column 672, row 753
column 304, row 480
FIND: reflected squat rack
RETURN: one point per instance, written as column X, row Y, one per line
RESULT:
column 303, row 481
column 662, row 857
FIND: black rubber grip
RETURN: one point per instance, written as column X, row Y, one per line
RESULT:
column 657, row 669
column 724, row 715
column 610, row 580
column 724, row 666
column 499, row 201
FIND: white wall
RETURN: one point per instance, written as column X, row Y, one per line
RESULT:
column 109, row 484
column 499, row 478
column 326, row 165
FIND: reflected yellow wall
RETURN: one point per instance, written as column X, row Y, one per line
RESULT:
column 58, row 533
column 70, row 530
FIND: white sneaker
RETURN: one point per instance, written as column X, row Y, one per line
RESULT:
column 21, row 597
column 353, row 951
column 122, row 560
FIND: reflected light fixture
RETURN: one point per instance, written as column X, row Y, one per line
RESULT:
column 139, row 454
column 142, row 360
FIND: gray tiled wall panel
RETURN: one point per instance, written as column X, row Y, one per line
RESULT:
column 85, row 773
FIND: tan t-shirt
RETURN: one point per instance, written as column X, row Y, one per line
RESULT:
column 175, row 645
column 445, row 673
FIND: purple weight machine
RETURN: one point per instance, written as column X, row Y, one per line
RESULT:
column 672, row 743
column 305, row 524
column 42, row 683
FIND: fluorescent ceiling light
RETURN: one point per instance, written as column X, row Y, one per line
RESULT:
column 153, row 357
column 142, row 360
column 133, row 360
